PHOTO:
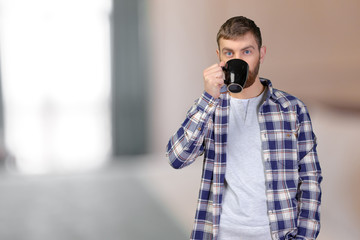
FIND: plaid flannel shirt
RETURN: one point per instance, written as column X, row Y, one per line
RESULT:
column 291, row 166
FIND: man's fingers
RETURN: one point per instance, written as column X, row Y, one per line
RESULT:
column 213, row 71
column 219, row 81
column 214, row 79
column 212, row 68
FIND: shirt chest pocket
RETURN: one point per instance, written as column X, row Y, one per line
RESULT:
column 281, row 139
column 282, row 145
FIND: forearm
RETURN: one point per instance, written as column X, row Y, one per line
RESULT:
column 187, row 143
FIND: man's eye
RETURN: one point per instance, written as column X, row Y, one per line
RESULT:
column 247, row 52
column 228, row 54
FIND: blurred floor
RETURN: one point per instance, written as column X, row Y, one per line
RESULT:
column 112, row 203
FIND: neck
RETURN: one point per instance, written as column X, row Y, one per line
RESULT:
column 253, row 91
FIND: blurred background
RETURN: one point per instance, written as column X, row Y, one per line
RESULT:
column 91, row 91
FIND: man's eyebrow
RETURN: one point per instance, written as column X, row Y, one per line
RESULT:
column 247, row 47
column 225, row 49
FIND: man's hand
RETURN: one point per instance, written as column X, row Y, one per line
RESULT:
column 214, row 79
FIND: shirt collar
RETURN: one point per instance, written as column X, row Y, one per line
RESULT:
column 275, row 95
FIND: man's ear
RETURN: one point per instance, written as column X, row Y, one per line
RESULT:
column 218, row 54
column 262, row 53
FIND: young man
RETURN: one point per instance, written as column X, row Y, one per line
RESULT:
column 261, row 175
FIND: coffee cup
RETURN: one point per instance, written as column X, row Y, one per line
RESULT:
column 236, row 73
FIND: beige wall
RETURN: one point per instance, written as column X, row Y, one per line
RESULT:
column 312, row 52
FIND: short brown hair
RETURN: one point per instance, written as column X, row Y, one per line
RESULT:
column 238, row 26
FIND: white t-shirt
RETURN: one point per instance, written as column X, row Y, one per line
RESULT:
column 244, row 210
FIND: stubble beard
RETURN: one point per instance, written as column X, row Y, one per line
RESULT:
column 252, row 75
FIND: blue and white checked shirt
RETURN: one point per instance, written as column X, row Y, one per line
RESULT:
column 291, row 166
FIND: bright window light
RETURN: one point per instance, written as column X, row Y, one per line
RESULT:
column 55, row 57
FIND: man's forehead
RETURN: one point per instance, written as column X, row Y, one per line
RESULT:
column 234, row 45
column 248, row 39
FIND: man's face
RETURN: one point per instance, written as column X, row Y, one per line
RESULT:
column 245, row 48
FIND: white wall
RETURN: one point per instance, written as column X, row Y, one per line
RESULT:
column 56, row 83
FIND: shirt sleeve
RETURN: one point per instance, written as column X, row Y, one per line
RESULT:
column 309, row 191
column 188, row 142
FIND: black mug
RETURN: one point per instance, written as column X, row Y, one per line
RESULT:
column 236, row 73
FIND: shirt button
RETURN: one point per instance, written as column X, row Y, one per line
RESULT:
column 210, row 105
column 199, row 128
